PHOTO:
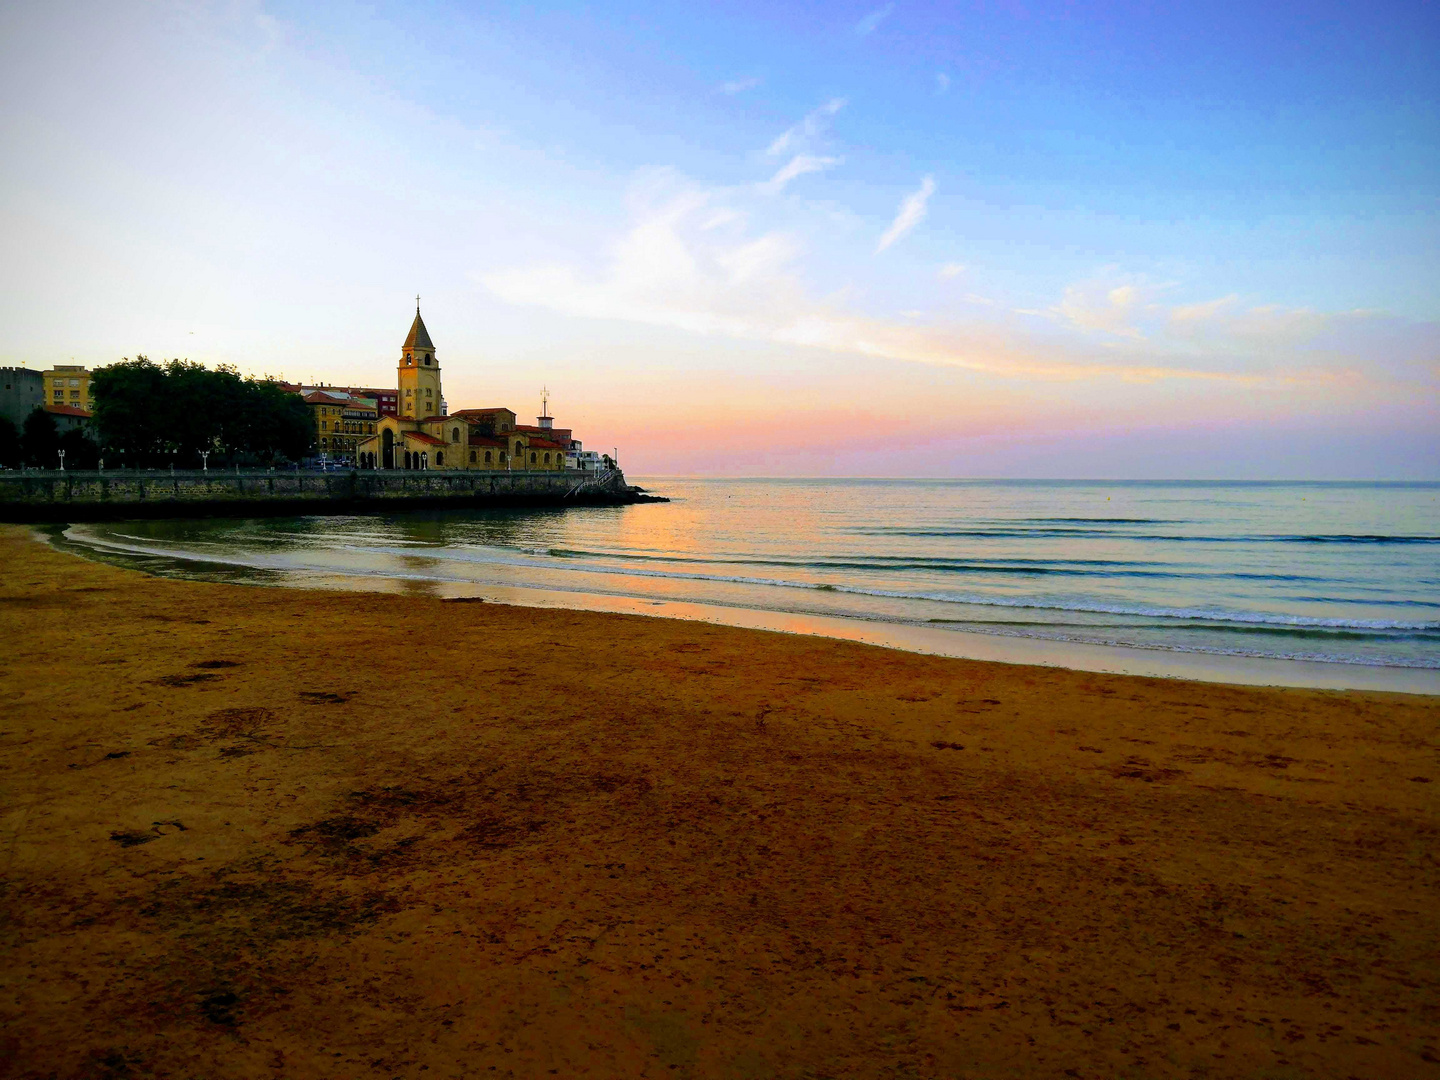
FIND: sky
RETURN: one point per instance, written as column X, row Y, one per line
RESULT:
column 973, row 239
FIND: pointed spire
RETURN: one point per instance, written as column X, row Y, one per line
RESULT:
column 419, row 337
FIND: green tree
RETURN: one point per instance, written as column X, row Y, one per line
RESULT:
column 130, row 411
column 80, row 450
column 10, row 453
column 40, row 440
column 155, row 414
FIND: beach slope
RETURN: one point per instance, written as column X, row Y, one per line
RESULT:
column 270, row 832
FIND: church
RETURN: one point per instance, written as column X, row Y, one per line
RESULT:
column 422, row 435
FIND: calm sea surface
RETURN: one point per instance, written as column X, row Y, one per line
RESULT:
column 1331, row 572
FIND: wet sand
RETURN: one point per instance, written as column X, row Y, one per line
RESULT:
column 278, row 833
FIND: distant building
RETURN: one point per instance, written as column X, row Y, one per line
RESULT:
column 385, row 400
column 69, row 384
column 342, row 420
column 22, row 391
column 68, row 417
column 422, row 434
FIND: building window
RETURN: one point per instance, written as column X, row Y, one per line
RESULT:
column 439, row 457
column 547, row 458
column 532, row 457
column 455, row 434
column 428, row 392
column 472, row 457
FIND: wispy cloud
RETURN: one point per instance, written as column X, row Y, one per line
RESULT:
column 912, row 212
column 942, row 82
column 1108, row 308
column 1134, row 309
column 739, row 86
column 668, row 270
column 868, row 24
column 950, row 270
column 808, row 130
column 799, row 165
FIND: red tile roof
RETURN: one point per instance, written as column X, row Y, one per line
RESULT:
column 319, row 397
column 430, row 439
column 67, row 410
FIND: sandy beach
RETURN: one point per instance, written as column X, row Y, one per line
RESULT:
column 284, row 833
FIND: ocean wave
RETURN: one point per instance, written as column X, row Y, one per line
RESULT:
column 1317, row 633
column 1079, row 606
column 1012, row 533
column 1053, row 634
column 1153, row 612
column 892, row 563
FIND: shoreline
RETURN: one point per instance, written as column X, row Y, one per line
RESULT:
column 1233, row 669
column 319, row 833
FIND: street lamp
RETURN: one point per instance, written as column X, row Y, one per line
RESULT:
column 62, row 460
column 204, row 460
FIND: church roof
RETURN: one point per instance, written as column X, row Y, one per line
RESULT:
column 483, row 412
column 419, row 337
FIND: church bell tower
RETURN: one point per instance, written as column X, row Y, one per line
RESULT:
column 419, row 373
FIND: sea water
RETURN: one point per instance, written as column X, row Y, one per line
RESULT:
column 1331, row 572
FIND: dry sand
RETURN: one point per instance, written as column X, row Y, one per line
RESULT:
column 273, row 833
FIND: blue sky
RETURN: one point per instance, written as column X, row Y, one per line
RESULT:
column 991, row 239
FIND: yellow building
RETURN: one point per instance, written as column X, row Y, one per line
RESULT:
column 342, row 421
column 423, row 437
column 69, row 384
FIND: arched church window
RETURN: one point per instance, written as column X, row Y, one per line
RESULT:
column 532, row 457
column 455, row 434
column 487, row 457
column 472, row 457
column 439, row 457
column 547, row 459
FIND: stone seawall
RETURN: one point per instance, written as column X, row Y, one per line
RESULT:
column 35, row 496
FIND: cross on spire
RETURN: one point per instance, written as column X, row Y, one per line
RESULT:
column 417, row 303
